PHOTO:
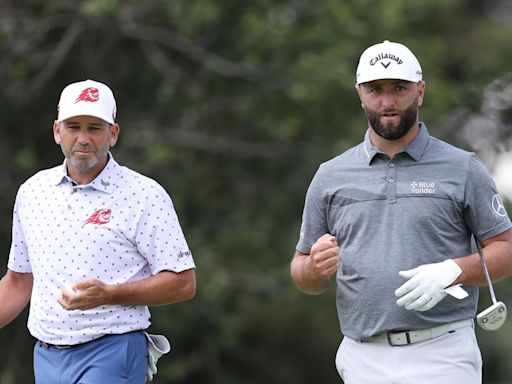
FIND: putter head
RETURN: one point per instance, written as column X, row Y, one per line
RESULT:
column 493, row 317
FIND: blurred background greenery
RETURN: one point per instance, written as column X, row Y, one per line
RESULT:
column 232, row 105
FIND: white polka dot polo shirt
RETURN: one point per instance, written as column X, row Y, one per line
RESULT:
column 120, row 227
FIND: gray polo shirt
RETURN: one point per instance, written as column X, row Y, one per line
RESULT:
column 395, row 214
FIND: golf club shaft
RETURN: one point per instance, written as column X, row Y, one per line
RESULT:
column 486, row 271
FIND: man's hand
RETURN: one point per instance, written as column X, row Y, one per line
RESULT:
column 426, row 285
column 85, row 294
column 311, row 272
column 323, row 261
column 165, row 287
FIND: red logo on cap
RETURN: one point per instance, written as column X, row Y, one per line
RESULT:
column 88, row 94
column 101, row 216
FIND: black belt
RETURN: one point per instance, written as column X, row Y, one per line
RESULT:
column 46, row 345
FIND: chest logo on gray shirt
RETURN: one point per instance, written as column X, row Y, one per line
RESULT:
column 423, row 187
column 498, row 206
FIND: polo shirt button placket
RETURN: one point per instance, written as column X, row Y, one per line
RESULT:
column 391, row 183
column 68, row 203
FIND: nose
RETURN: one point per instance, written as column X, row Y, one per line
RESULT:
column 83, row 138
column 388, row 99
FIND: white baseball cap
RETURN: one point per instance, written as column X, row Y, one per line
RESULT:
column 388, row 60
column 89, row 98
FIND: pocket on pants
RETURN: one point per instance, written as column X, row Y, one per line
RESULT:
column 476, row 353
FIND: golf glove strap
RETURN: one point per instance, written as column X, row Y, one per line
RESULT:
column 426, row 285
column 157, row 346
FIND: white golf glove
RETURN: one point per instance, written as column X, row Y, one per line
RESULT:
column 157, row 346
column 426, row 285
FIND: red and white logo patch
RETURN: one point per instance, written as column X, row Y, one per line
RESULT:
column 90, row 94
column 100, row 216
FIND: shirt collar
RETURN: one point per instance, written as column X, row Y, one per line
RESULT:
column 415, row 149
column 103, row 182
column 369, row 149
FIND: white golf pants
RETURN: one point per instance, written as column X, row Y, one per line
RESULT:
column 453, row 358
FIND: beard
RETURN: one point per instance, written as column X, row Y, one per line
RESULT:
column 85, row 165
column 408, row 118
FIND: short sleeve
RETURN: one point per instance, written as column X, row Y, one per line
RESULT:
column 160, row 238
column 484, row 211
column 314, row 218
column 19, row 260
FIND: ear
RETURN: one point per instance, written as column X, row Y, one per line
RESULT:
column 114, row 134
column 56, row 132
column 358, row 89
column 421, row 92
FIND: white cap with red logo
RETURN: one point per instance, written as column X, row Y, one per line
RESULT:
column 388, row 60
column 87, row 98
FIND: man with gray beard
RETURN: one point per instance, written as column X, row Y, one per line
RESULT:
column 393, row 218
column 94, row 244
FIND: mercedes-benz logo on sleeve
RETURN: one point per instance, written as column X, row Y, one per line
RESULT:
column 498, row 206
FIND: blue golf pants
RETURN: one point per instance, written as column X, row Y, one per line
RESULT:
column 111, row 359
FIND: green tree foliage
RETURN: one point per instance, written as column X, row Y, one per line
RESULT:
column 232, row 105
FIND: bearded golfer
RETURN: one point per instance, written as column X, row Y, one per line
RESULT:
column 393, row 218
column 93, row 245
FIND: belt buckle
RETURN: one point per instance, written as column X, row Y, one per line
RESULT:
column 405, row 333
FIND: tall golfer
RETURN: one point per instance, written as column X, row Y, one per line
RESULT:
column 393, row 219
column 93, row 245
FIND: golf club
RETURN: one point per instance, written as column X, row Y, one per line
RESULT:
column 493, row 317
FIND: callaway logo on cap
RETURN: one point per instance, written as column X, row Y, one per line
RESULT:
column 87, row 98
column 388, row 60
